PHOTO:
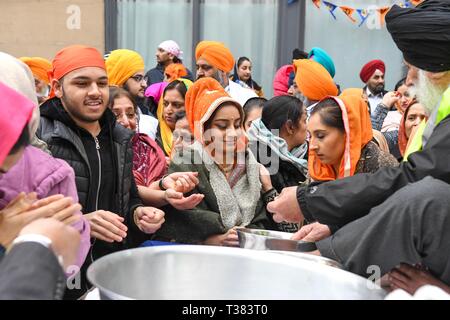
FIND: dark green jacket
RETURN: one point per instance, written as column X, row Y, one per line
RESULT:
column 194, row 226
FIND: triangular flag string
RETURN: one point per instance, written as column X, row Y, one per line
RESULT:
column 383, row 11
column 406, row 4
column 348, row 12
column 363, row 14
column 416, row 2
column 331, row 7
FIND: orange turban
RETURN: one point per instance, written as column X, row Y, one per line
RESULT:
column 216, row 54
column 40, row 67
column 358, row 132
column 313, row 80
column 202, row 99
column 121, row 65
column 73, row 58
column 175, row 71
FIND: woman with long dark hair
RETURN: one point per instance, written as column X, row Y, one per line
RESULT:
column 243, row 76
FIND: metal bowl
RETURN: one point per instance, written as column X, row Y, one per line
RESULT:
column 218, row 273
column 257, row 239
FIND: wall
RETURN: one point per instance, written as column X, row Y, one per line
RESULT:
column 42, row 27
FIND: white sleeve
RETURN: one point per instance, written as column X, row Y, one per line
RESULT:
column 148, row 125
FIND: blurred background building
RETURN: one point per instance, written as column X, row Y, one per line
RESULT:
column 266, row 31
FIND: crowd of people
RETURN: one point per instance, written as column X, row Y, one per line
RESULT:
column 98, row 156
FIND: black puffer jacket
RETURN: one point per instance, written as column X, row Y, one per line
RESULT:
column 114, row 191
column 66, row 141
column 345, row 200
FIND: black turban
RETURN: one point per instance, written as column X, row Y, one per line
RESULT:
column 423, row 34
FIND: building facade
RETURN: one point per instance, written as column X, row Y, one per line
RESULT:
column 266, row 31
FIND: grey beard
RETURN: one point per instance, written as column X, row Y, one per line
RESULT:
column 306, row 102
column 427, row 93
column 218, row 76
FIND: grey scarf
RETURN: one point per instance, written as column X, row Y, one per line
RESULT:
column 237, row 205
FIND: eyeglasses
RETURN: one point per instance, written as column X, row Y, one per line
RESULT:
column 129, row 116
column 139, row 78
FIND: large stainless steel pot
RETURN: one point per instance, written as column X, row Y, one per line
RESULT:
column 218, row 273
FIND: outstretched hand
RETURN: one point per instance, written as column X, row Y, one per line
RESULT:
column 312, row 232
column 180, row 202
column 285, row 207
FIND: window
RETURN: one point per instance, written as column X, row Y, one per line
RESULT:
column 247, row 27
column 351, row 46
column 143, row 24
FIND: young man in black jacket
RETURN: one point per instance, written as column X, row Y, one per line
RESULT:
column 80, row 129
column 396, row 215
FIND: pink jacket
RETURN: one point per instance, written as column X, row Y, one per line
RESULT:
column 38, row 172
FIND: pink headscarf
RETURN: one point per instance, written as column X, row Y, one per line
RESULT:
column 17, row 105
column 280, row 83
column 156, row 91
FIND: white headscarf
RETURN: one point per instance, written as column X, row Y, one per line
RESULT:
column 18, row 76
column 172, row 47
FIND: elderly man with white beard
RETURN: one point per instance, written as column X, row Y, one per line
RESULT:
column 397, row 220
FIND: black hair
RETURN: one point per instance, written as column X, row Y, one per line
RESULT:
column 22, row 141
column 330, row 114
column 177, row 60
column 241, row 60
column 279, row 110
column 208, row 123
column 116, row 93
column 250, row 82
column 177, row 85
column 180, row 116
column 299, row 54
column 399, row 84
column 252, row 104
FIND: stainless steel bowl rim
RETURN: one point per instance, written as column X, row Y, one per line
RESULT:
column 262, row 256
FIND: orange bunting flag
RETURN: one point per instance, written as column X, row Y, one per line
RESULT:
column 348, row 12
column 316, row 3
column 416, row 2
column 383, row 11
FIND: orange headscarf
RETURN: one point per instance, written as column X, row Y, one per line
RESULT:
column 202, row 99
column 40, row 67
column 377, row 135
column 353, row 92
column 73, row 58
column 313, row 80
column 175, row 71
column 402, row 138
column 358, row 132
column 216, row 54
